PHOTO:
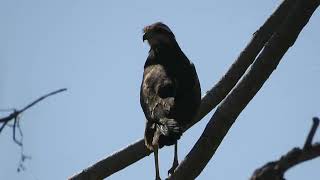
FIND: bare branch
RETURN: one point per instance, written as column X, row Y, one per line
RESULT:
column 16, row 120
column 42, row 98
column 4, row 124
column 16, row 124
column 215, row 95
column 312, row 132
column 276, row 169
column 238, row 99
column 136, row 151
column 16, row 113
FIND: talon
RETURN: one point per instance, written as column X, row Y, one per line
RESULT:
column 172, row 169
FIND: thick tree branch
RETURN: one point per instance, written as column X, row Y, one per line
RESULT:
column 216, row 94
column 238, row 99
column 275, row 170
column 137, row 150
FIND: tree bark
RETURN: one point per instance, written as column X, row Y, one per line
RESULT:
column 229, row 110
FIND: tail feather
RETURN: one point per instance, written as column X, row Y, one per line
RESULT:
column 170, row 127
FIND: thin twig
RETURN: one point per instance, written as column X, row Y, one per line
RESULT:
column 43, row 97
column 16, row 120
column 16, row 113
column 3, row 125
column 16, row 124
column 276, row 169
column 312, row 132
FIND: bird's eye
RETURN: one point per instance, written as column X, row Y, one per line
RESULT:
column 161, row 31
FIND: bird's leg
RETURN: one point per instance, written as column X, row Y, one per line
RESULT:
column 175, row 159
column 156, row 161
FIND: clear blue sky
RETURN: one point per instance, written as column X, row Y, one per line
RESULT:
column 95, row 49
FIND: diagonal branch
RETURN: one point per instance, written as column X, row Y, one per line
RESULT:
column 15, row 114
column 16, row 124
column 216, row 94
column 229, row 110
column 276, row 169
column 136, row 151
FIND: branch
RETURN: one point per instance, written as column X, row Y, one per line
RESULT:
column 136, row 151
column 312, row 132
column 15, row 115
column 276, row 169
column 216, row 94
column 229, row 110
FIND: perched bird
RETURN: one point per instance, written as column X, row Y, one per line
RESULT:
column 170, row 92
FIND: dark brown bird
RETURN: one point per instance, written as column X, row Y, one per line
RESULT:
column 170, row 91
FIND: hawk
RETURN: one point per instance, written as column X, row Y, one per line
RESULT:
column 170, row 92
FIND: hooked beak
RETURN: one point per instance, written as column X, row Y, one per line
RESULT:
column 145, row 37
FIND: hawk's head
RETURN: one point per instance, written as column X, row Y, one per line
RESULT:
column 158, row 34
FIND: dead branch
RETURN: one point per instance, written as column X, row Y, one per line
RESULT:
column 136, row 151
column 15, row 117
column 275, row 170
column 238, row 99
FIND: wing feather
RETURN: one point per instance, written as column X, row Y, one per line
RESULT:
column 157, row 94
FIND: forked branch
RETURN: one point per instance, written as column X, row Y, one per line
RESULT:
column 275, row 170
column 136, row 151
column 15, row 114
column 15, row 117
column 227, row 113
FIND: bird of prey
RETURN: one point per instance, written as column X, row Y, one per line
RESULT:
column 170, row 92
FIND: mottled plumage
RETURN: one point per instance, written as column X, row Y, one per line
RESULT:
column 170, row 91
